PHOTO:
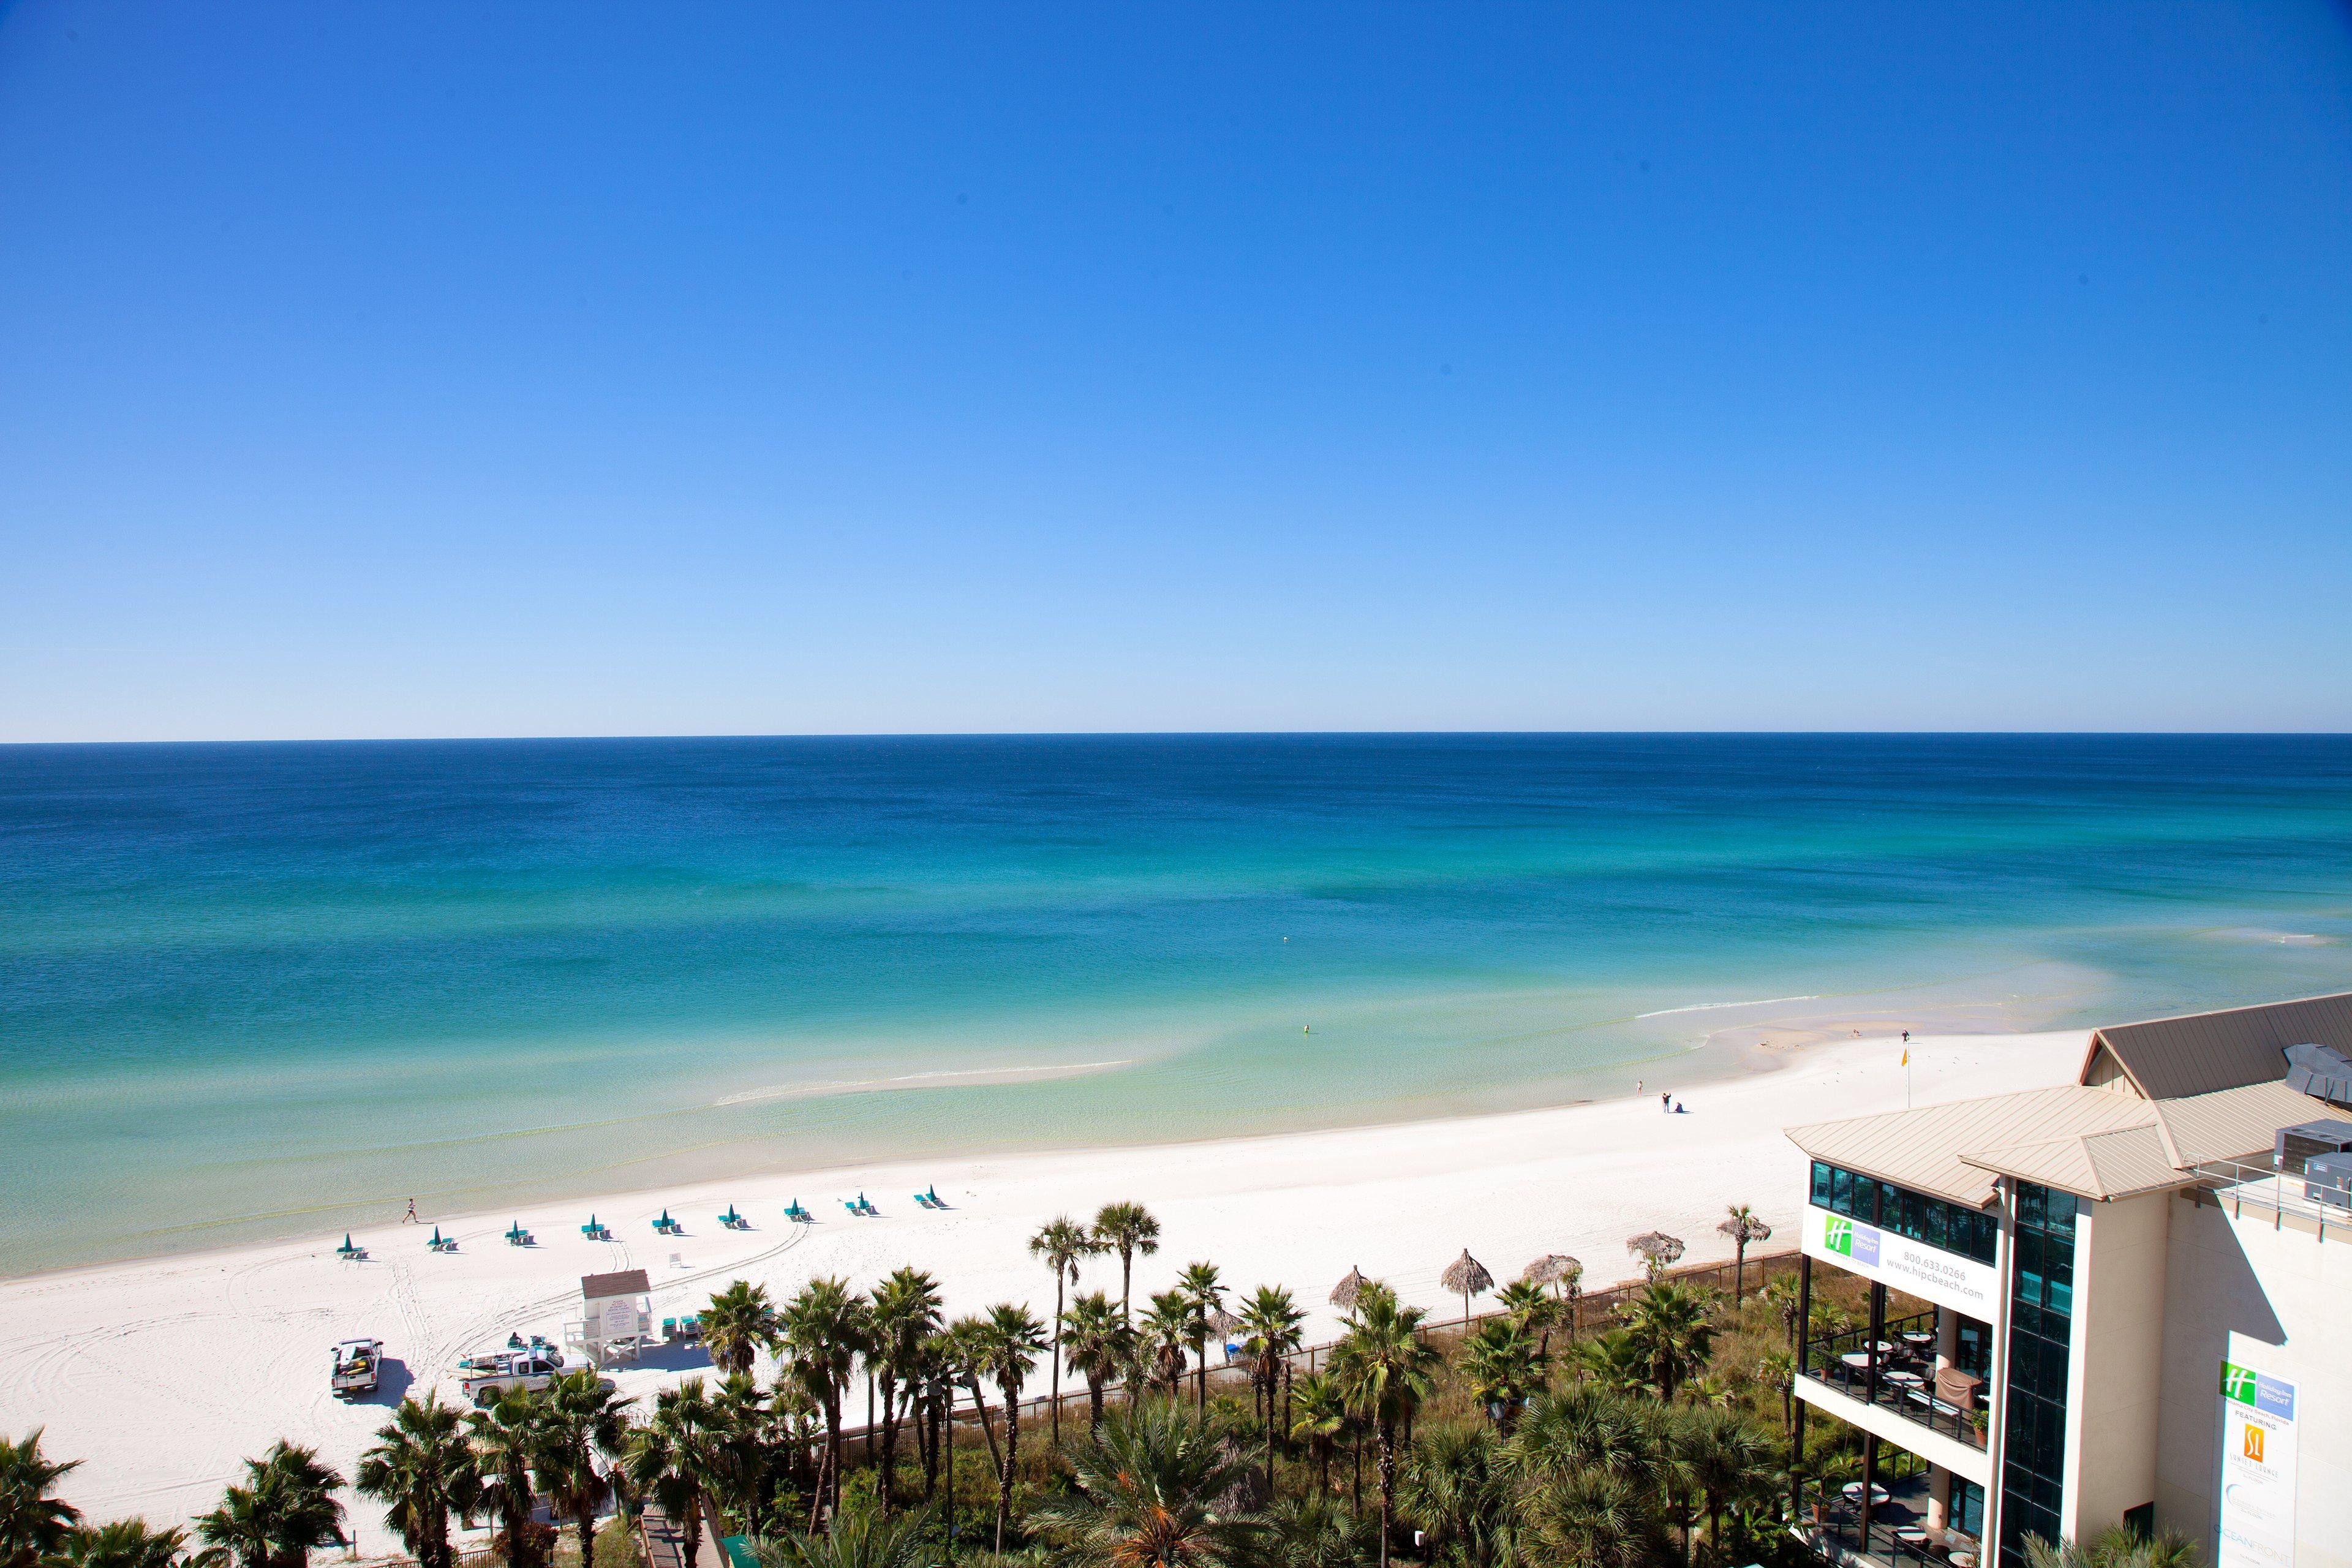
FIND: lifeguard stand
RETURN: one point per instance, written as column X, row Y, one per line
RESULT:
column 617, row 1316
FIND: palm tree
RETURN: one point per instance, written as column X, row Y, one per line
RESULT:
column 905, row 1315
column 1271, row 1326
column 741, row 1447
column 1453, row 1489
column 1316, row 1533
column 825, row 1332
column 1527, row 1308
column 1386, row 1372
column 285, row 1508
column 1098, row 1345
column 1614, row 1363
column 1593, row 1518
column 1502, row 1366
column 1166, row 1330
column 422, row 1468
column 1204, row 1303
column 506, row 1441
column 738, row 1323
column 579, row 1420
column 1062, row 1244
column 1006, row 1344
column 1585, row 1427
column 860, row 1535
column 1668, row 1324
column 1148, row 1489
column 1780, row 1291
column 33, row 1523
column 1319, row 1419
column 1727, row 1460
column 2117, row 1548
column 668, row 1458
column 1129, row 1230
column 123, row 1543
column 1741, row 1224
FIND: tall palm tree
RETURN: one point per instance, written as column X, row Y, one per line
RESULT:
column 860, row 1535
column 285, row 1509
column 1502, row 1366
column 1061, row 1243
column 1615, row 1362
column 668, row 1458
column 905, row 1315
column 1166, row 1330
column 1669, row 1324
column 1098, row 1345
column 741, row 1447
column 1007, row 1344
column 1271, row 1326
column 35, row 1523
column 1129, row 1230
column 1204, row 1303
column 1147, row 1488
column 124, row 1543
column 1319, row 1419
column 1527, row 1308
column 504, row 1436
column 422, row 1468
column 581, row 1419
column 826, row 1328
column 1741, row 1224
column 1782, row 1292
column 1727, row 1459
column 1386, row 1371
column 738, row 1325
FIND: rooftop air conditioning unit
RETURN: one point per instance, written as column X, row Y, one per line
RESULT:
column 2295, row 1146
column 2327, row 1179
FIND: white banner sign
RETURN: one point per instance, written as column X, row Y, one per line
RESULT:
column 1930, row 1273
column 2256, row 1518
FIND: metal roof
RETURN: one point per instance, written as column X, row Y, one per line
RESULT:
column 2167, row 1059
column 627, row 1283
column 2084, row 1140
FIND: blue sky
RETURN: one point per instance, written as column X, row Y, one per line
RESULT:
column 417, row 370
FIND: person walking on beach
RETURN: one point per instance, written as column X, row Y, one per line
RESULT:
column 410, row 1218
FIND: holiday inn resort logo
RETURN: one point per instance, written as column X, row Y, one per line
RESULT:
column 1849, row 1239
column 2244, row 1385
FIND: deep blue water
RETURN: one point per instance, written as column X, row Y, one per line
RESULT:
column 257, row 989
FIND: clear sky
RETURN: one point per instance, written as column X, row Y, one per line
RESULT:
column 568, row 369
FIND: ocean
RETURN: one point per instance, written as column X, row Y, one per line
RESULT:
column 261, row 990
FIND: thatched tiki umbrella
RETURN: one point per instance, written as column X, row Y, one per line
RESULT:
column 1344, row 1294
column 1656, row 1248
column 1467, row 1277
column 1564, row 1273
column 1743, row 1227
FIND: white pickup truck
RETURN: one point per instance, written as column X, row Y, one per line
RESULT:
column 358, row 1364
column 529, row 1369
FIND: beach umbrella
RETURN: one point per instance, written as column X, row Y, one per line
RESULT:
column 1467, row 1277
column 1561, row 1272
column 347, row 1242
column 1344, row 1294
column 1656, row 1248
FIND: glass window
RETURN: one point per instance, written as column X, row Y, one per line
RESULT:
column 2033, row 1459
column 1821, row 1184
column 1842, row 1193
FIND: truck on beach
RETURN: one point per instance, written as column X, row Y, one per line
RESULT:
column 359, row 1365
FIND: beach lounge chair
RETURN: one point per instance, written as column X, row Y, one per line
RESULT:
column 924, row 1199
column 669, row 1328
column 798, row 1215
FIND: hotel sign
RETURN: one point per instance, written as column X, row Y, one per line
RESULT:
column 2256, row 1518
column 1930, row 1273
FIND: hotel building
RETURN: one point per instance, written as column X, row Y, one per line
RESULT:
column 2127, row 1300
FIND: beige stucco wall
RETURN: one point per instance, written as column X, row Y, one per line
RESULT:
column 2112, row 1397
column 2277, row 1300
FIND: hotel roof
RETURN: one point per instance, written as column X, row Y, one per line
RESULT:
column 2167, row 1059
column 2091, row 1141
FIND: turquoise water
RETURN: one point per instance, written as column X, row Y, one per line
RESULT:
column 261, row 990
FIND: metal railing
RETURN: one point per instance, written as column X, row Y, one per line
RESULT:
column 1831, row 1524
column 2236, row 1185
column 1913, row 1396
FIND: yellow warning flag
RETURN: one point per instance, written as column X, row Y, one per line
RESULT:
column 1906, row 1055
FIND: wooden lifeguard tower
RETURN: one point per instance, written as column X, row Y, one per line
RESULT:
column 617, row 1316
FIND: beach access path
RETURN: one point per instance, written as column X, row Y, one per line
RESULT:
column 162, row 1376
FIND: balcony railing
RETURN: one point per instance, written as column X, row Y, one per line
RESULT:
column 1906, row 1383
column 1831, row 1524
column 2236, row 1186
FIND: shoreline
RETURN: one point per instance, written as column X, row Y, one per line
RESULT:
column 240, row 1334
column 1737, row 1043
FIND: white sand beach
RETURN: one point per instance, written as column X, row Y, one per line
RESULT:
column 162, row 1376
